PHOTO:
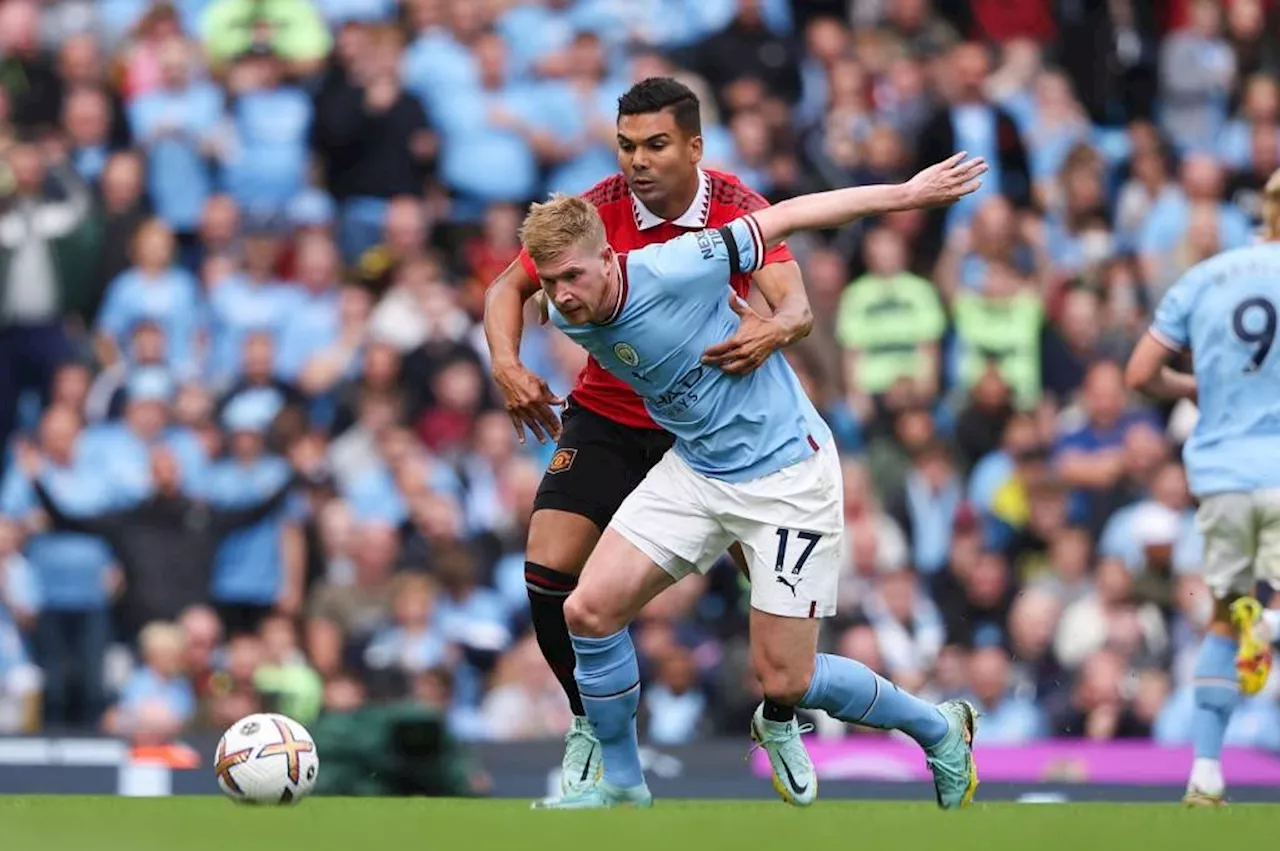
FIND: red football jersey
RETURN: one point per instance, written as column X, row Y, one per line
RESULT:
column 629, row 225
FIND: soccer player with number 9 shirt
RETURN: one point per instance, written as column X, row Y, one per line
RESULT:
column 1224, row 312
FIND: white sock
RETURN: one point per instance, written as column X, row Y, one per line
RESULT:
column 1271, row 620
column 1206, row 777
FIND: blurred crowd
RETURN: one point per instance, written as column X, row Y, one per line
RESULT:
column 254, row 460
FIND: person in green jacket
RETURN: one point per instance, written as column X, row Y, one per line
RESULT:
column 291, row 29
column 890, row 321
column 49, row 243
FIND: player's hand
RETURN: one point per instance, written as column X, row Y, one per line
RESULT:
column 755, row 339
column 529, row 401
column 946, row 182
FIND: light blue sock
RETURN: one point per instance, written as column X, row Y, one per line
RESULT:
column 1217, row 692
column 609, row 679
column 852, row 692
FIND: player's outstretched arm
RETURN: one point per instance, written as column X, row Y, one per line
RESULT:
column 528, row 399
column 936, row 186
column 1148, row 372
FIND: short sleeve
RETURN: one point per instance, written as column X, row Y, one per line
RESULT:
column 1172, row 323
column 701, row 261
column 690, row 263
column 778, row 254
column 750, row 201
column 744, row 244
column 527, row 263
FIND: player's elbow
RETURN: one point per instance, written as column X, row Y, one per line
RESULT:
column 1138, row 375
column 804, row 322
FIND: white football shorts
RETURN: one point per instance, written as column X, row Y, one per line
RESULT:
column 790, row 524
column 1241, row 541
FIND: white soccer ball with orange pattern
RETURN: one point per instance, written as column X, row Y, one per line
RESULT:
column 266, row 759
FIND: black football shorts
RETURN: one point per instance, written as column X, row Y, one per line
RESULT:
column 597, row 463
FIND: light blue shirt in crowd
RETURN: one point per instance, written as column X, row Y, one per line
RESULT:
column 69, row 568
column 249, row 567
column 268, row 166
column 239, row 307
column 172, row 126
column 171, row 300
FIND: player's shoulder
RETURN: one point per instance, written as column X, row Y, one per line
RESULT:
column 730, row 197
column 608, row 192
column 1241, row 264
column 676, row 257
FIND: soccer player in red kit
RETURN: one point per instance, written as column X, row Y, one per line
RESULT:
column 607, row 442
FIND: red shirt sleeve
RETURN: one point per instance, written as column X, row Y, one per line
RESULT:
column 527, row 262
column 748, row 201
column 778, row 254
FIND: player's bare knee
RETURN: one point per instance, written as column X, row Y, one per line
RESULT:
column 587, row 615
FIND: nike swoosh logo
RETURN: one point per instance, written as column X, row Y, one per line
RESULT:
column 791, row 778
column 586, row 766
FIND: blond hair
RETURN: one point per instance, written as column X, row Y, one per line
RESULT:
column 558, row 224
column 159, row 636
column 1271, row 205
column 408, row 583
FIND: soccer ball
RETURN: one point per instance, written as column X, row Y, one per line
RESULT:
column 266, row 759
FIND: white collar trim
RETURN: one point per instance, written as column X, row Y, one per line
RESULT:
column 693, row 218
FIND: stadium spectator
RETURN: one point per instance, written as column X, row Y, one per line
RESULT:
column 264, row 162
column 973, row 124
column 46, row 250
column 25, row 72
column 373, row 138
column 292, row 29
column 158, row 681
column 176, row 125
column 157, row 291
column 165, row 545
column 1011, row 719
column 891, row 322
column 75, row 574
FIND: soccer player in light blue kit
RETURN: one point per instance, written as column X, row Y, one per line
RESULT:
column 752, row 462
column 1224, row 310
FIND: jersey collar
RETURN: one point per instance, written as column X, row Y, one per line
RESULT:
column 693, row 218
column 624, row 285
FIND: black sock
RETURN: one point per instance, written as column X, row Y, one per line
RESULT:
column 774, row 711
column 548, row 589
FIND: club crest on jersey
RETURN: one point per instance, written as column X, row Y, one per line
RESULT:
column 562, row 460
column 626, row 353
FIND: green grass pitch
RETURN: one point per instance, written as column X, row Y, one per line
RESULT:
column 212, row 824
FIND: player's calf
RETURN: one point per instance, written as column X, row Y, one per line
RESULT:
column 617, row 582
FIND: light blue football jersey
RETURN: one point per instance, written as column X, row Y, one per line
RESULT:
column 675, row 303
column 1225, row 310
